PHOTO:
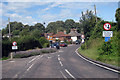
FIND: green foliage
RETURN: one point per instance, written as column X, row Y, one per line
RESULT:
column 6, row 47
column 44, row 42
column 46, row 45
column 83, row 46
column 117, row 15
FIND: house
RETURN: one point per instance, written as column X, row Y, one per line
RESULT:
column 62, row 36
column 74, row 35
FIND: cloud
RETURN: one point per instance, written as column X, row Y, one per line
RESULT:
column 61, row 1
column 53, row 5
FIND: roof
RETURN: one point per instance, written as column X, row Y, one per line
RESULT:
column 60, row 34
column 74, row 33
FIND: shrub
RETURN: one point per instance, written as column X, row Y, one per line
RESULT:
column 83, row 46
column 46, row 45
column 6, row 47
column 43, row 42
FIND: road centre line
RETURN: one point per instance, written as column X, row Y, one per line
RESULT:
column 63, row 75
column 70, row 74
column 30, row 67
column 60, row 63
column 95, row 63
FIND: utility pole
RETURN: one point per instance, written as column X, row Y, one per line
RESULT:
column 95, row 12
column 9, row 28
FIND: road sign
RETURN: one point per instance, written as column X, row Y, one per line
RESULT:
column 14, row 43
column 82, row 40
column 107, row 39
column 51, row 38
column 107, row 33
column 14, row 47
column 107, row 26
column 82, row 36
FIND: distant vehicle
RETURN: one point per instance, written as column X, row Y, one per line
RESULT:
column 57, row 46
column 77, row 42
column 52, row 45
column 63, row 44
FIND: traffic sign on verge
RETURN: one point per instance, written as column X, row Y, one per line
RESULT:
column 14, row 47
column 107, row 26
column 82, row 36
column 107, row 39
column 107, row 33
column 14, row 43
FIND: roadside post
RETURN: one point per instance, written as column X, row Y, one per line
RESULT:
column 107, row 34
column 82, row 37
column 14, row 47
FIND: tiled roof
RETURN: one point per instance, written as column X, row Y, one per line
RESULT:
column 74, row 33
column 60, row 34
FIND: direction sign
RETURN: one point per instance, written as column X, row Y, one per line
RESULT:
column 107, row 33
column 107, row 26
column 107, row 39
column 14, row 43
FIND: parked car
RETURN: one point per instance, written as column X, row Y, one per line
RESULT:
column 77, row 42
column 63, row 44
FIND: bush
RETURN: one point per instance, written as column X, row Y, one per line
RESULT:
column 43, row 42
column 46, row 45
column 6, row 47
column 83, row 46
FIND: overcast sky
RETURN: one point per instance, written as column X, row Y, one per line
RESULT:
column 38, row 12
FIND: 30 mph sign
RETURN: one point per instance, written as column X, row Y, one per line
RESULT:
column 107, row 26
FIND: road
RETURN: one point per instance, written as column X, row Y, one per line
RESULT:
column 64, row 63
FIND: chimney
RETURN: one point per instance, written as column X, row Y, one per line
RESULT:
column 64, row 31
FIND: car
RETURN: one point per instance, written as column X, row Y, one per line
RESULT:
column 77, row 42
column 63, row 44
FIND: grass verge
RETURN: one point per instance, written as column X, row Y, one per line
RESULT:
column 92, row 52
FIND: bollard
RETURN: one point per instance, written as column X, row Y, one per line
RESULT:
column 11, row 56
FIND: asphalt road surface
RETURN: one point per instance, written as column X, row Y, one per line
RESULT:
column 65, row 63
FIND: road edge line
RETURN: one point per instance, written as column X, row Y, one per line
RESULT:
column 96, row 63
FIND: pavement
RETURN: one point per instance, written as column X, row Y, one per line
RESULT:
column 64, row 64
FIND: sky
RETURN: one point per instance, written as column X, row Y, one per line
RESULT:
column 39, row 12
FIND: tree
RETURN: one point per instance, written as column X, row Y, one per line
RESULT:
column 117, row 15
column 40, row 27
column 88, row 21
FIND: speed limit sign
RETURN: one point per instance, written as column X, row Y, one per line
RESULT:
column 107, row 26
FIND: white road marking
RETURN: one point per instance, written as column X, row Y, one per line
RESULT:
column 30, row 67
column 58, row 58
column 49, row 57
column 69, row 73
column 60, row 63
column 63, row 74
column 96, row 63
column 12, row 61
column 58, row 55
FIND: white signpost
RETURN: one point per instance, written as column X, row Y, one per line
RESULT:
column 14, row 47
column 82, row 37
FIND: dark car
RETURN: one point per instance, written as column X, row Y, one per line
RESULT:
column 77, row 42
column 63, row 44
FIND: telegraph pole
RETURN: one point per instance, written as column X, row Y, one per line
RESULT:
column 9, row 28
column 95, row 12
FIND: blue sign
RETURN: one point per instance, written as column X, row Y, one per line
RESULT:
column 107, row 39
